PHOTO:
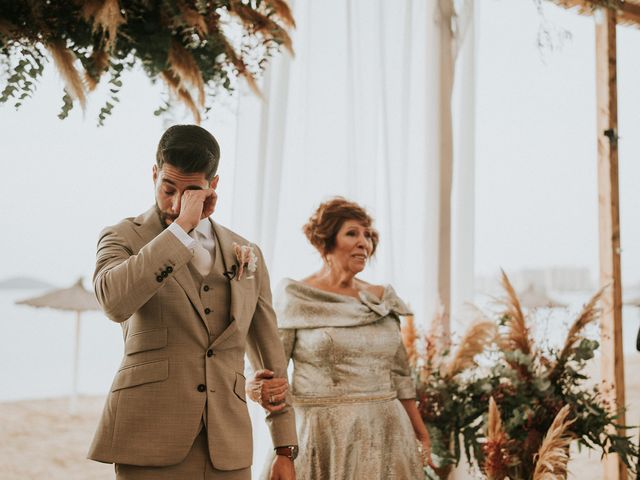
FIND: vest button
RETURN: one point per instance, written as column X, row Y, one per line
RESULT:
column 169, row 269
column 206, row 288
column 207, row 311
column 159, row 278
column 201, row 388
column 209, row 353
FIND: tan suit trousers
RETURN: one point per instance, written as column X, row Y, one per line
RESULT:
column 196, row 466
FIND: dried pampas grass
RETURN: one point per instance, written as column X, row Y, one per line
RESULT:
column 100, row 62
column 475, row 340
column 496, row 447
column 106, row 16
column 193, row 18
column 553, row 455
column 283, row 11
column 64, row 60
column 185, row 69
column 409, row 339
column 517, row 337
column 174, row 85
column 588, row 315
column 258, row 22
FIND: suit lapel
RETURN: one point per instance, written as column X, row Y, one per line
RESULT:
column 149, row 228
column 224, row 243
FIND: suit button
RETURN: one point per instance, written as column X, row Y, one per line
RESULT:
column 164, row 274
column 207, row 311
column 201, row 388
column 209, row 353
column 159, row 278
column 169, row 269
column 206, row 288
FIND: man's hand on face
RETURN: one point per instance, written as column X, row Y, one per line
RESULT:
column 282, row 469
column 194, row 206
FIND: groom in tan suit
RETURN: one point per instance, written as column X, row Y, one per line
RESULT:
column 190, row 295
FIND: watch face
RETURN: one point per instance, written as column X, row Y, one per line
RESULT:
column 294, row 452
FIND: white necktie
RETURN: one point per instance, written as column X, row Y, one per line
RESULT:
column 201, row 257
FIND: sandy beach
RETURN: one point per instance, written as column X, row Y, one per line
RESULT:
column 39, row 439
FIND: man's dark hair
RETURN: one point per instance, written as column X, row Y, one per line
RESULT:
column 190, row 148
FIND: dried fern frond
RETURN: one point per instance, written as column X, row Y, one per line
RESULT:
column 185, row 68
column 475, row 340
column 64, row 59
column 106, row 15
column 518, row 336
column 409, row 339
column 174, row 85
column 553, row 455
column 588, row 314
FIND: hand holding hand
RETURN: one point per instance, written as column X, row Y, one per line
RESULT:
column 267, row 391
column 282, row 469
column 194, row 206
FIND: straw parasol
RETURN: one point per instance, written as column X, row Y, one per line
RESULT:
column 75, row 299
column 533, row 297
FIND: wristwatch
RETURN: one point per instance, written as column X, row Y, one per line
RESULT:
column 290, row 451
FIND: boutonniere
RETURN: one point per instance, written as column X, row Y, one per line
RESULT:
column 246, row 261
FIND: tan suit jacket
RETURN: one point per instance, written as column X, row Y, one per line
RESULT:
column 170, row 368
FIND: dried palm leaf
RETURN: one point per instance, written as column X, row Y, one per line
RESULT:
column 409, row 339
column 281, row 8
column 475, row 340
column 64, row 60
column 518, row 333
column 185, row 68
column 174, row 85
column 553, row 455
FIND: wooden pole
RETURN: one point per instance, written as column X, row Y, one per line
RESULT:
column 447, row 67
column 612, row 366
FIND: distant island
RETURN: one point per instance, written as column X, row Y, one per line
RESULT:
column 24, row 283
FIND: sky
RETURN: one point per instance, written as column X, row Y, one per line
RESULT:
column 536, row 182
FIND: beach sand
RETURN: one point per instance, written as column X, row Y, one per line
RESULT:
column 39, row 439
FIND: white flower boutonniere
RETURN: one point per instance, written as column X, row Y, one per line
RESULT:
column 246, row 261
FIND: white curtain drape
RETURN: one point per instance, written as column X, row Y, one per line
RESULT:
column 363, row 110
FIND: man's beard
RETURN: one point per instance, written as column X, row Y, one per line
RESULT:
column 164, row 218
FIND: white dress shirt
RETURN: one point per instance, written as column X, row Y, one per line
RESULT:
column 201, row 242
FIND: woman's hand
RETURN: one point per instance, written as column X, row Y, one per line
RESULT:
column 424, row 447
column 267, row 391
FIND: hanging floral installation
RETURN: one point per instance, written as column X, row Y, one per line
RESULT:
column 511, row 405
column 198, row 48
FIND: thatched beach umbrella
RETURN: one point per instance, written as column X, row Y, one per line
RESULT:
column 75, row 299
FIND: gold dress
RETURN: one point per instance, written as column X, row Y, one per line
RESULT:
column 350, row 372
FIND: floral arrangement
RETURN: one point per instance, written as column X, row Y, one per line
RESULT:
column 513, row 407
column 199, row 48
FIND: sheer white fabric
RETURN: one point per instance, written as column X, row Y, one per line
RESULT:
column 362, row 111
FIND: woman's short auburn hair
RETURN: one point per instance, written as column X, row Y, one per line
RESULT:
column 323, row 226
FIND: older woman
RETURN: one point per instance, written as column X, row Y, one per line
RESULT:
column 353, row 395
